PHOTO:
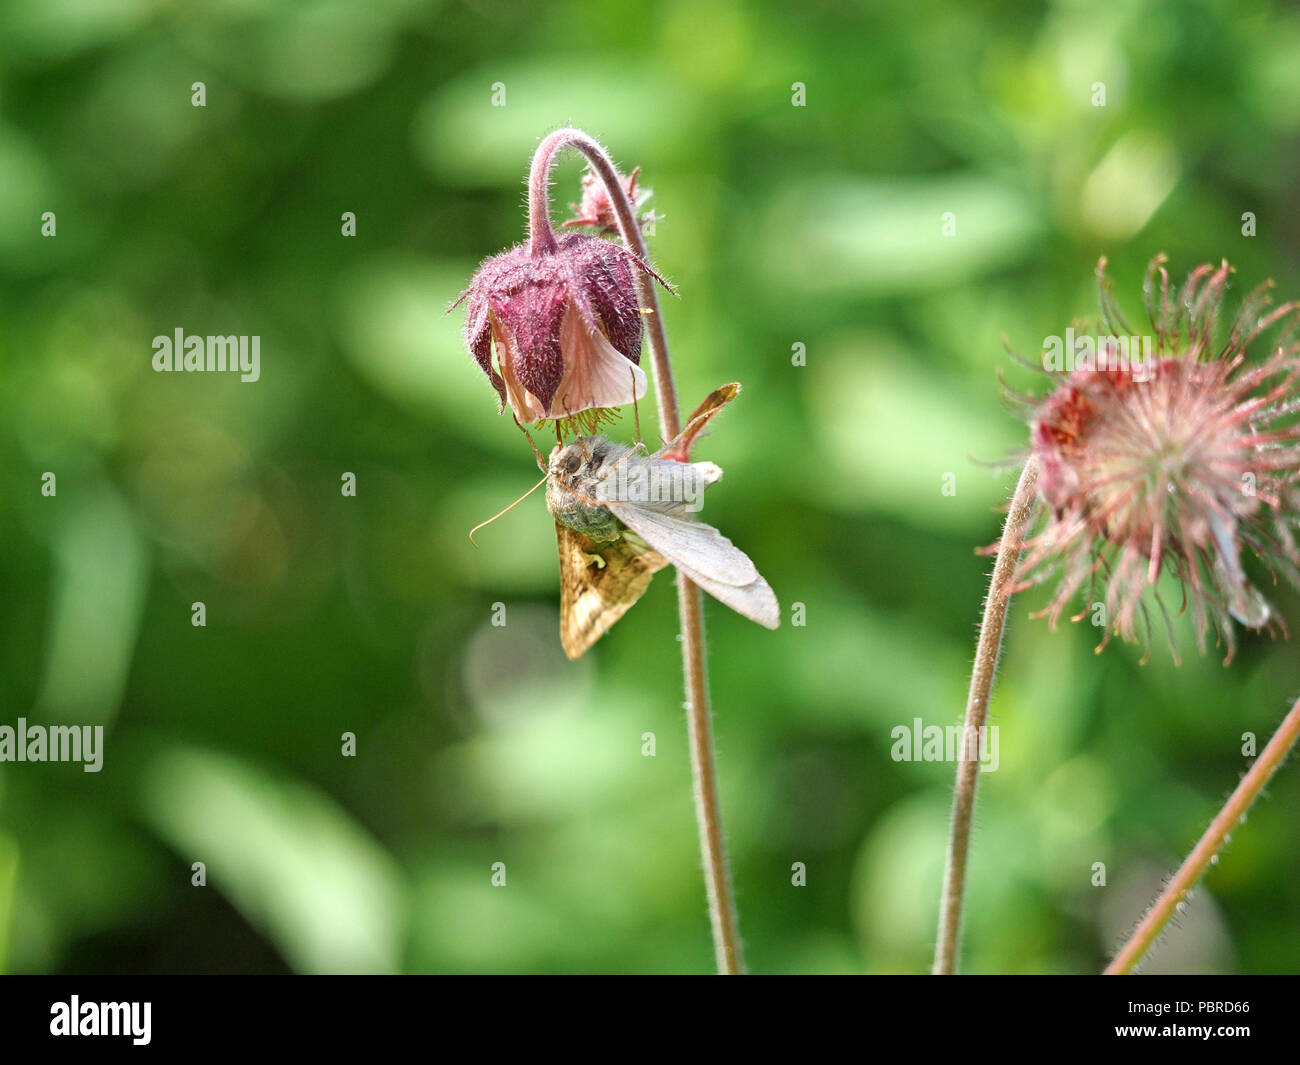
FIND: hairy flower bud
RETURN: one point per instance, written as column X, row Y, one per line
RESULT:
column 596, row 209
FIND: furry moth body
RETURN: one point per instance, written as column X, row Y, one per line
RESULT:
column 620, row 517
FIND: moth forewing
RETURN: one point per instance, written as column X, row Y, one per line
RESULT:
column 599, row 581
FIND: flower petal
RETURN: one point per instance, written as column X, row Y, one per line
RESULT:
column 527, row 407
column 596, row 375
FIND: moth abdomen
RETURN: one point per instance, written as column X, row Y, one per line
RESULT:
column 591, row 519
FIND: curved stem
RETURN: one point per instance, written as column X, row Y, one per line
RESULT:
column 977, row 705
column 542, row 240
column 1192, row 869
column 708, row 810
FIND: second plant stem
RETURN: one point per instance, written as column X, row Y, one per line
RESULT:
column 977, row 707
column 1203, row 854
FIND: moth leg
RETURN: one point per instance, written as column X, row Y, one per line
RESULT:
column 596, row 560
column 541, row 462
column 636, row 411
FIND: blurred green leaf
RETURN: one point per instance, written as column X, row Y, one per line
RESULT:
column 294, row 863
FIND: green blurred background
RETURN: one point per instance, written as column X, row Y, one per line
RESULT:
column 781, row 225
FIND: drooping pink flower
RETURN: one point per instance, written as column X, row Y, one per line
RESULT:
column 564, row 325
column 1170, row 453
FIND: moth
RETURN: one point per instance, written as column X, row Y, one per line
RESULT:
column 621, row 515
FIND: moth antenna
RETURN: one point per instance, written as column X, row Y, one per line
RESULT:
column 506, row 511
column 541, row 462
column 578, row 495
column 608, row 504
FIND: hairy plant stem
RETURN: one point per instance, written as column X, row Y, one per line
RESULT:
column 977, row 705
column 708, row 812
column 1273, row 755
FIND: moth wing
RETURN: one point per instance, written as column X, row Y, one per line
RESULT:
column 683, row 481
column 595, row 594
column 709, row 559
column 755, row 600
column 689, row 543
